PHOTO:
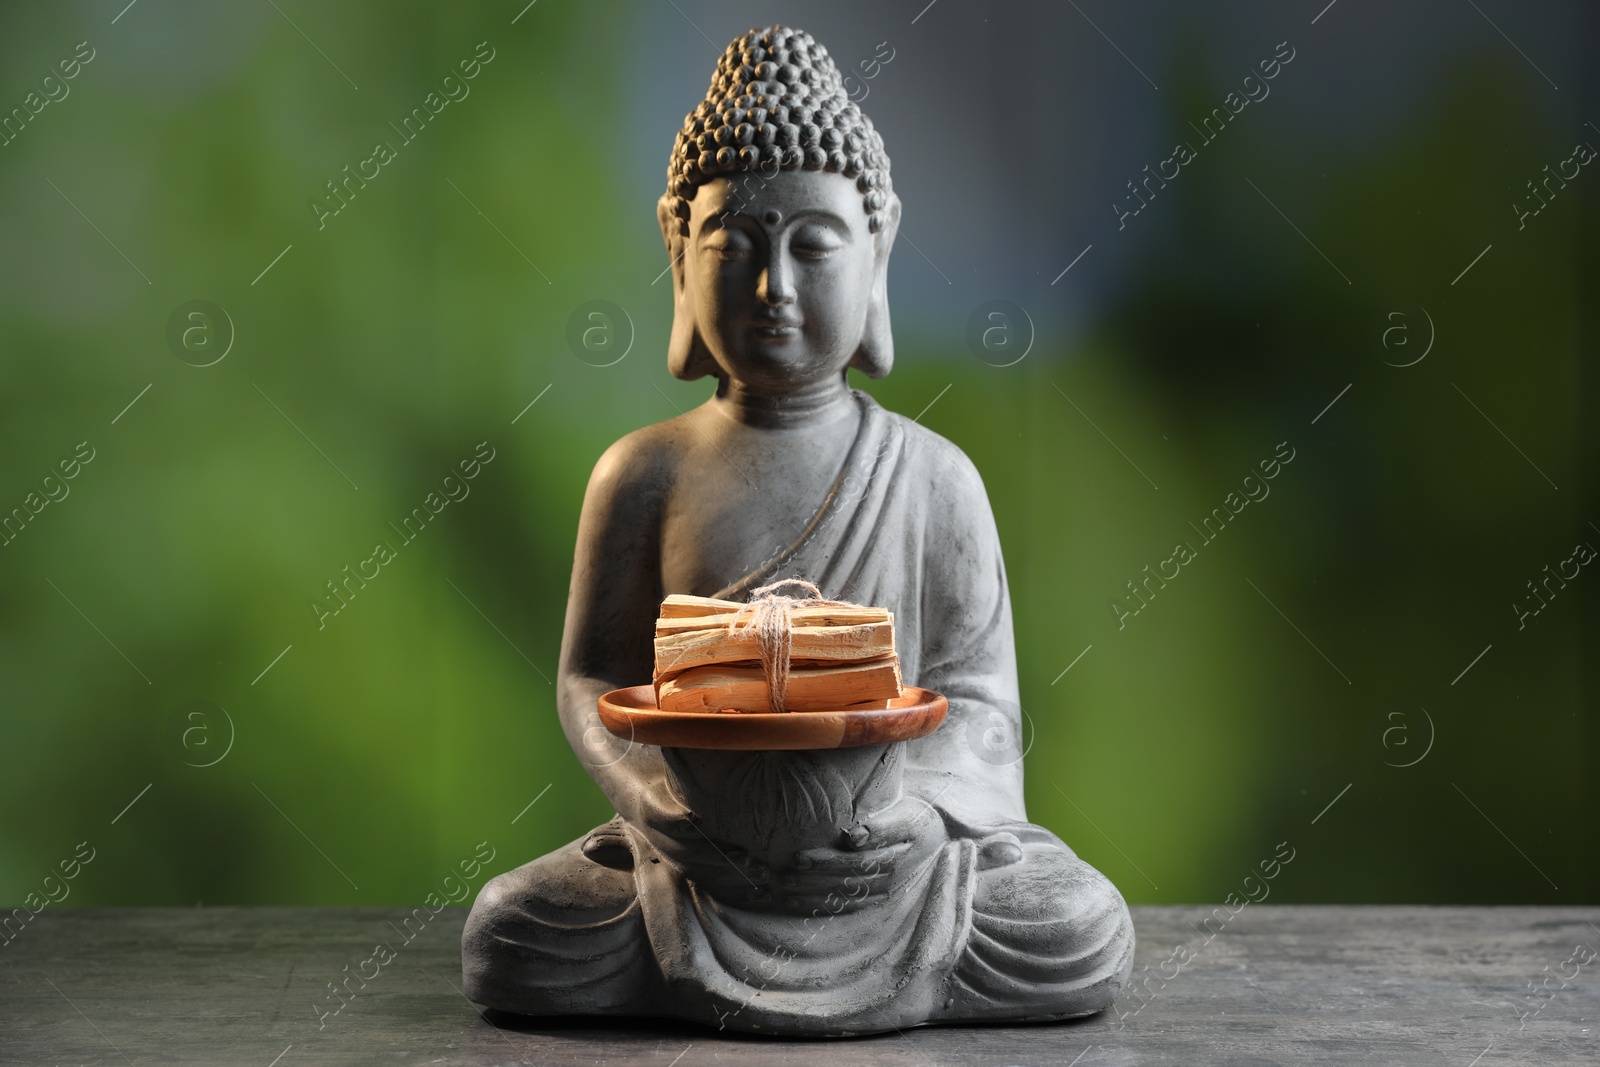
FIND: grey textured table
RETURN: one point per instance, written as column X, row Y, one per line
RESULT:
column 1296, row 985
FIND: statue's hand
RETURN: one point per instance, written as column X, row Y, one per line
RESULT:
column 871, row 858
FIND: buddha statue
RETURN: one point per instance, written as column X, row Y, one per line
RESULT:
column 815, row 893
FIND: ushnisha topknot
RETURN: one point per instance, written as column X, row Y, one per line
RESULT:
column 777, row 102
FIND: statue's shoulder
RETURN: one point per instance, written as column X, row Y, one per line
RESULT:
column 644, row 463
column 952, row 476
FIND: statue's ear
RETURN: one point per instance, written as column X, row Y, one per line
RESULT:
column 687, row 355
column 875, row 356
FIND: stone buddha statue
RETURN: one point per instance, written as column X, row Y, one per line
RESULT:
column 815, row 893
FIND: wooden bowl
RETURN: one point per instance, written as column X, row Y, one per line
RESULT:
column 632, row 714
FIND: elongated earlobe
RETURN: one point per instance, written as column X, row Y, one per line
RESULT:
column 687, row 355
column 875, row 356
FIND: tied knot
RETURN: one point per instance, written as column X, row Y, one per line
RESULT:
column 768, row 615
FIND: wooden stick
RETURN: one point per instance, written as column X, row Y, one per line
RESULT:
column 696, row 648
column 744, row 689
column 799, row 616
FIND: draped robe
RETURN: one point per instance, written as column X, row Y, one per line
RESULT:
column 974, row 914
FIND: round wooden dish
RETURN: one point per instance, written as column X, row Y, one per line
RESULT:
column 632, row 714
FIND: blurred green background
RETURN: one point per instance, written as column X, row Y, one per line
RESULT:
column 155, row 624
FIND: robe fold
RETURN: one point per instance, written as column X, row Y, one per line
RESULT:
column 907, row 526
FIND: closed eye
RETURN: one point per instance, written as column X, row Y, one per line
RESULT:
column 815, row 242
column 728, row 244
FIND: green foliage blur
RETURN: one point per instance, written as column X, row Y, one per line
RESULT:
column 158, row 617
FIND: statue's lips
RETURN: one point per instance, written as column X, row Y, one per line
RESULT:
column 776, row 331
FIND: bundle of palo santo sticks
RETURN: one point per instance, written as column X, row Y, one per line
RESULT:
column 708, row 658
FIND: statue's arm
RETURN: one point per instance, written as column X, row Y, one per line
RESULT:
column 607, row 640
column 969, row 653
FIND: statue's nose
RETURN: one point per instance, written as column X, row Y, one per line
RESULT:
column 776, row 285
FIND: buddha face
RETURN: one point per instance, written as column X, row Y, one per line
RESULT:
column 780, row 273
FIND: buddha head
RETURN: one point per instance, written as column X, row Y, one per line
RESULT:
column 779, row 219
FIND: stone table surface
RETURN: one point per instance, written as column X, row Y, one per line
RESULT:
column 1278, row 985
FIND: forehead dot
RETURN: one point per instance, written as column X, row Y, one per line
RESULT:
column 772, row 217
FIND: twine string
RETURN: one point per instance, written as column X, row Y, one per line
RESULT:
column 768, row 614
